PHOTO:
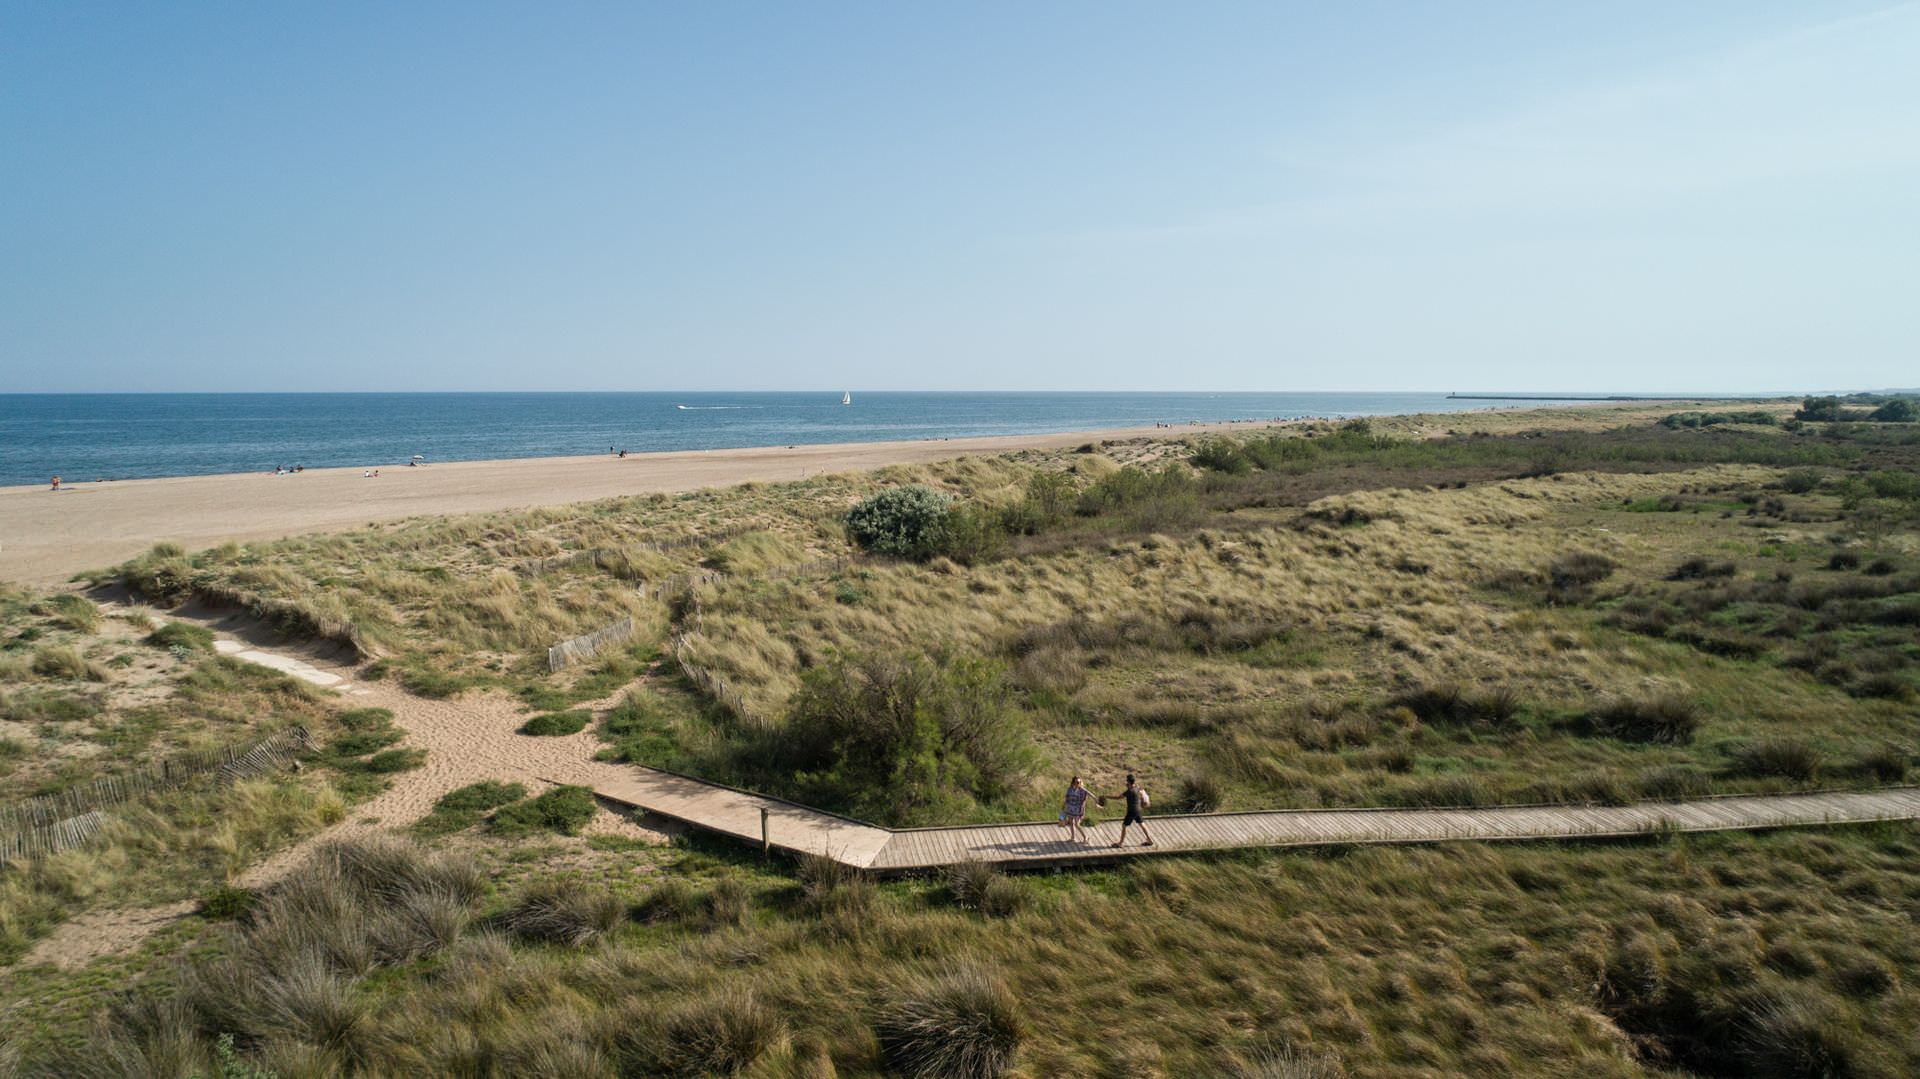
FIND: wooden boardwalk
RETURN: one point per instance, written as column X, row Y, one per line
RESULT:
column 797, row 829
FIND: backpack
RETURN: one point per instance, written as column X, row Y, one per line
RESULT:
column 1145, row 802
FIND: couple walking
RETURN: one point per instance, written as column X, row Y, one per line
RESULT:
column 1073, row 813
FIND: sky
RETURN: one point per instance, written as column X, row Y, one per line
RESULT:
column 1716, row 195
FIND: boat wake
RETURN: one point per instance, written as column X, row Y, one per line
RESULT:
column 714, row 408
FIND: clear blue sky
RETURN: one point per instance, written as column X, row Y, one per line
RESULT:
column 1708, row 195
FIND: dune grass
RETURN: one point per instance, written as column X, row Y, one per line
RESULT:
column 1588, row 607
column 1743, row 955
column 92, row 716
column 1412, row 647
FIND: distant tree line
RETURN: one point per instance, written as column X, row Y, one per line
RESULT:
column 1835, row 410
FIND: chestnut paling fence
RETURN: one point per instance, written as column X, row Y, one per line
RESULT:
column 69, row 818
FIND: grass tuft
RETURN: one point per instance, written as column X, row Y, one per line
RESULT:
column 557, row 723
column 184, row 635
column 563, row 912
column 965, row 1025
column 1664, row 719
column 1786, row 758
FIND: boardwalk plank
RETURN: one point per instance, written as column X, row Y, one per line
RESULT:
column 798, row 828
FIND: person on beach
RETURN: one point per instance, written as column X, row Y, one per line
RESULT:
column 1073, row 812
column 56, row 485
column 1137, row 803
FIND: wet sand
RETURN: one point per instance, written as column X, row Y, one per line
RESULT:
column 45, row 537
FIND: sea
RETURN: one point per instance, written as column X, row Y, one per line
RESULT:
column 88, row 437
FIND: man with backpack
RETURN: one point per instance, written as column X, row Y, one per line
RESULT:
column 1137, row 803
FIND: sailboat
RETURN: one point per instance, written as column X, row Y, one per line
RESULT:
column 846, row 398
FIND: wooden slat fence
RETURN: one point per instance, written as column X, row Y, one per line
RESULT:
column 710, row 683
column 597, row 555
column 51, row 838
column 233, row 762
column 586, row 646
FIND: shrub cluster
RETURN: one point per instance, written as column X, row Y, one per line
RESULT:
column 463, row 807
column 904, row 738
column 905, row 522
column 916, row 522
column 1679, row 420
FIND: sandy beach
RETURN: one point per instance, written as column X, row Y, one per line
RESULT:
column 45, row 537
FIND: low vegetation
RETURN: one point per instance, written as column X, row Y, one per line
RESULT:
column 1736, row 955
column 1570, row 608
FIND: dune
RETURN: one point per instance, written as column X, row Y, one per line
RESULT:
column 47, row 537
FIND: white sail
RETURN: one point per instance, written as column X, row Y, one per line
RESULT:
column 846, row 398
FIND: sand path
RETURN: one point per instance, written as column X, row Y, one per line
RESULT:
column 45, row 538
column 473, row 738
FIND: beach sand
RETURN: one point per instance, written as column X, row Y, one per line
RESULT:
column 47, row 537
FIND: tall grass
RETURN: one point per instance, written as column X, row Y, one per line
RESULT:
column 964, row 1025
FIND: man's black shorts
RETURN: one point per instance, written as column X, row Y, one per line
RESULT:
column 1133, row 817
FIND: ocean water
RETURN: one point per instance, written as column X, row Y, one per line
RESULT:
column 85, row 437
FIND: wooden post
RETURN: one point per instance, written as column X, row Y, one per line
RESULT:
column 766, row 839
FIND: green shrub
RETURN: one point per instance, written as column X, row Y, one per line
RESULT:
column 968, row 535
column 965, row 1025
column 565, row 810
column 1820, row 409
column 905, row 522
column 1162, row 498
column 463, row 807
column 557, row 723
column 226, row 903
column 182, row 635
column 1897, row 410
column 1048, row 501
column 901, row 737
